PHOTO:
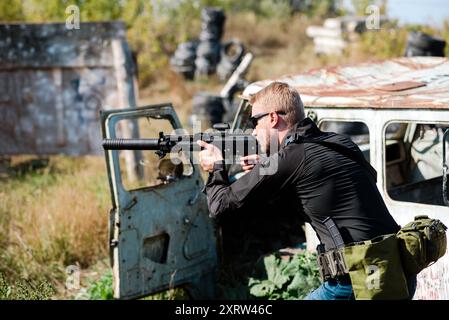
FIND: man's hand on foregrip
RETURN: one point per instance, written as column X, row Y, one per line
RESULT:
column 208, row 156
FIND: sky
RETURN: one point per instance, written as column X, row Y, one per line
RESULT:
column 430, row 12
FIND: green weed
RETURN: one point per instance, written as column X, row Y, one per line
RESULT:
column 102, row 289
column 25, row 290
column 286, row 278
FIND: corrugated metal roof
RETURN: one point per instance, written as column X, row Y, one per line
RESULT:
column 413, row 82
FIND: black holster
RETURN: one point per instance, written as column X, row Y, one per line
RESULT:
column 331, row 264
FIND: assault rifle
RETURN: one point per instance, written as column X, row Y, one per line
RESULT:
column 231, row 144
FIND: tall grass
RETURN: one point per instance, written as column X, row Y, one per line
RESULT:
column 281, row 46
column 53, row 218
column 391, row 40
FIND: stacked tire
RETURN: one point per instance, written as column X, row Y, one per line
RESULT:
column 208, row 53
column 212, row 24
column 422, row 44
column 230, row 57
column 208, row 109
column 183, row 61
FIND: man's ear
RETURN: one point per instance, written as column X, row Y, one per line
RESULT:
column 274, row 119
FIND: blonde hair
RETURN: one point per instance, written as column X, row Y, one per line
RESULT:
column 279, row 96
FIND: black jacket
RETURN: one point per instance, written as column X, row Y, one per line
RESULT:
column 324, row 183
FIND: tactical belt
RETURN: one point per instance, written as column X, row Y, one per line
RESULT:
column 331, row 265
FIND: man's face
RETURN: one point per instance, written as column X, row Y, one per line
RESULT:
column 263, row 130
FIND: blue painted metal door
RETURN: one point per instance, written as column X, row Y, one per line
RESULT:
column 160, row 233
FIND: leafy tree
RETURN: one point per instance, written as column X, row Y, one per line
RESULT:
column 361, row 5
column 11, row 11
column 154, row 27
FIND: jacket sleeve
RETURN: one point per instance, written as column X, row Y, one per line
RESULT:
column 266, row 178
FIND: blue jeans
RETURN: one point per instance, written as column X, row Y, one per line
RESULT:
column 334, row 290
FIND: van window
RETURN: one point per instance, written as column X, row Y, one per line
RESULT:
column 357, row 131
column 242, row 120
column 413, row 159
column 153, row 171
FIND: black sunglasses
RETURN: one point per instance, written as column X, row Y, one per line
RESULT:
column 255, row 119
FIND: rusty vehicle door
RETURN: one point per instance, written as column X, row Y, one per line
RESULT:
column 160, row 233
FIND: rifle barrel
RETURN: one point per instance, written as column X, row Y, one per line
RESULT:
column 131, row 144
column 231, row 144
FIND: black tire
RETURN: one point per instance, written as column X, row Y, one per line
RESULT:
column 185, row 55
column 209, row 50
column 425, row 42
column 188, row 45
column 208, row 36
column 186, row 50
column 232, row 51
column 183, row 61
column 438, row 45
column 213, row 112
column 212, row 24
column 438, row 53
column 211, row 32
column 414, row 52
column 203, row 98
column 208, row 107
column 230, row 57
column 175, row 62
column 204, row 66
column 419, row 40
column 213, row 14
column 188, row 72
column 225, row 69
column 184, row 67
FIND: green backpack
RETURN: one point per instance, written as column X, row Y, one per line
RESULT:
column 421, row 243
